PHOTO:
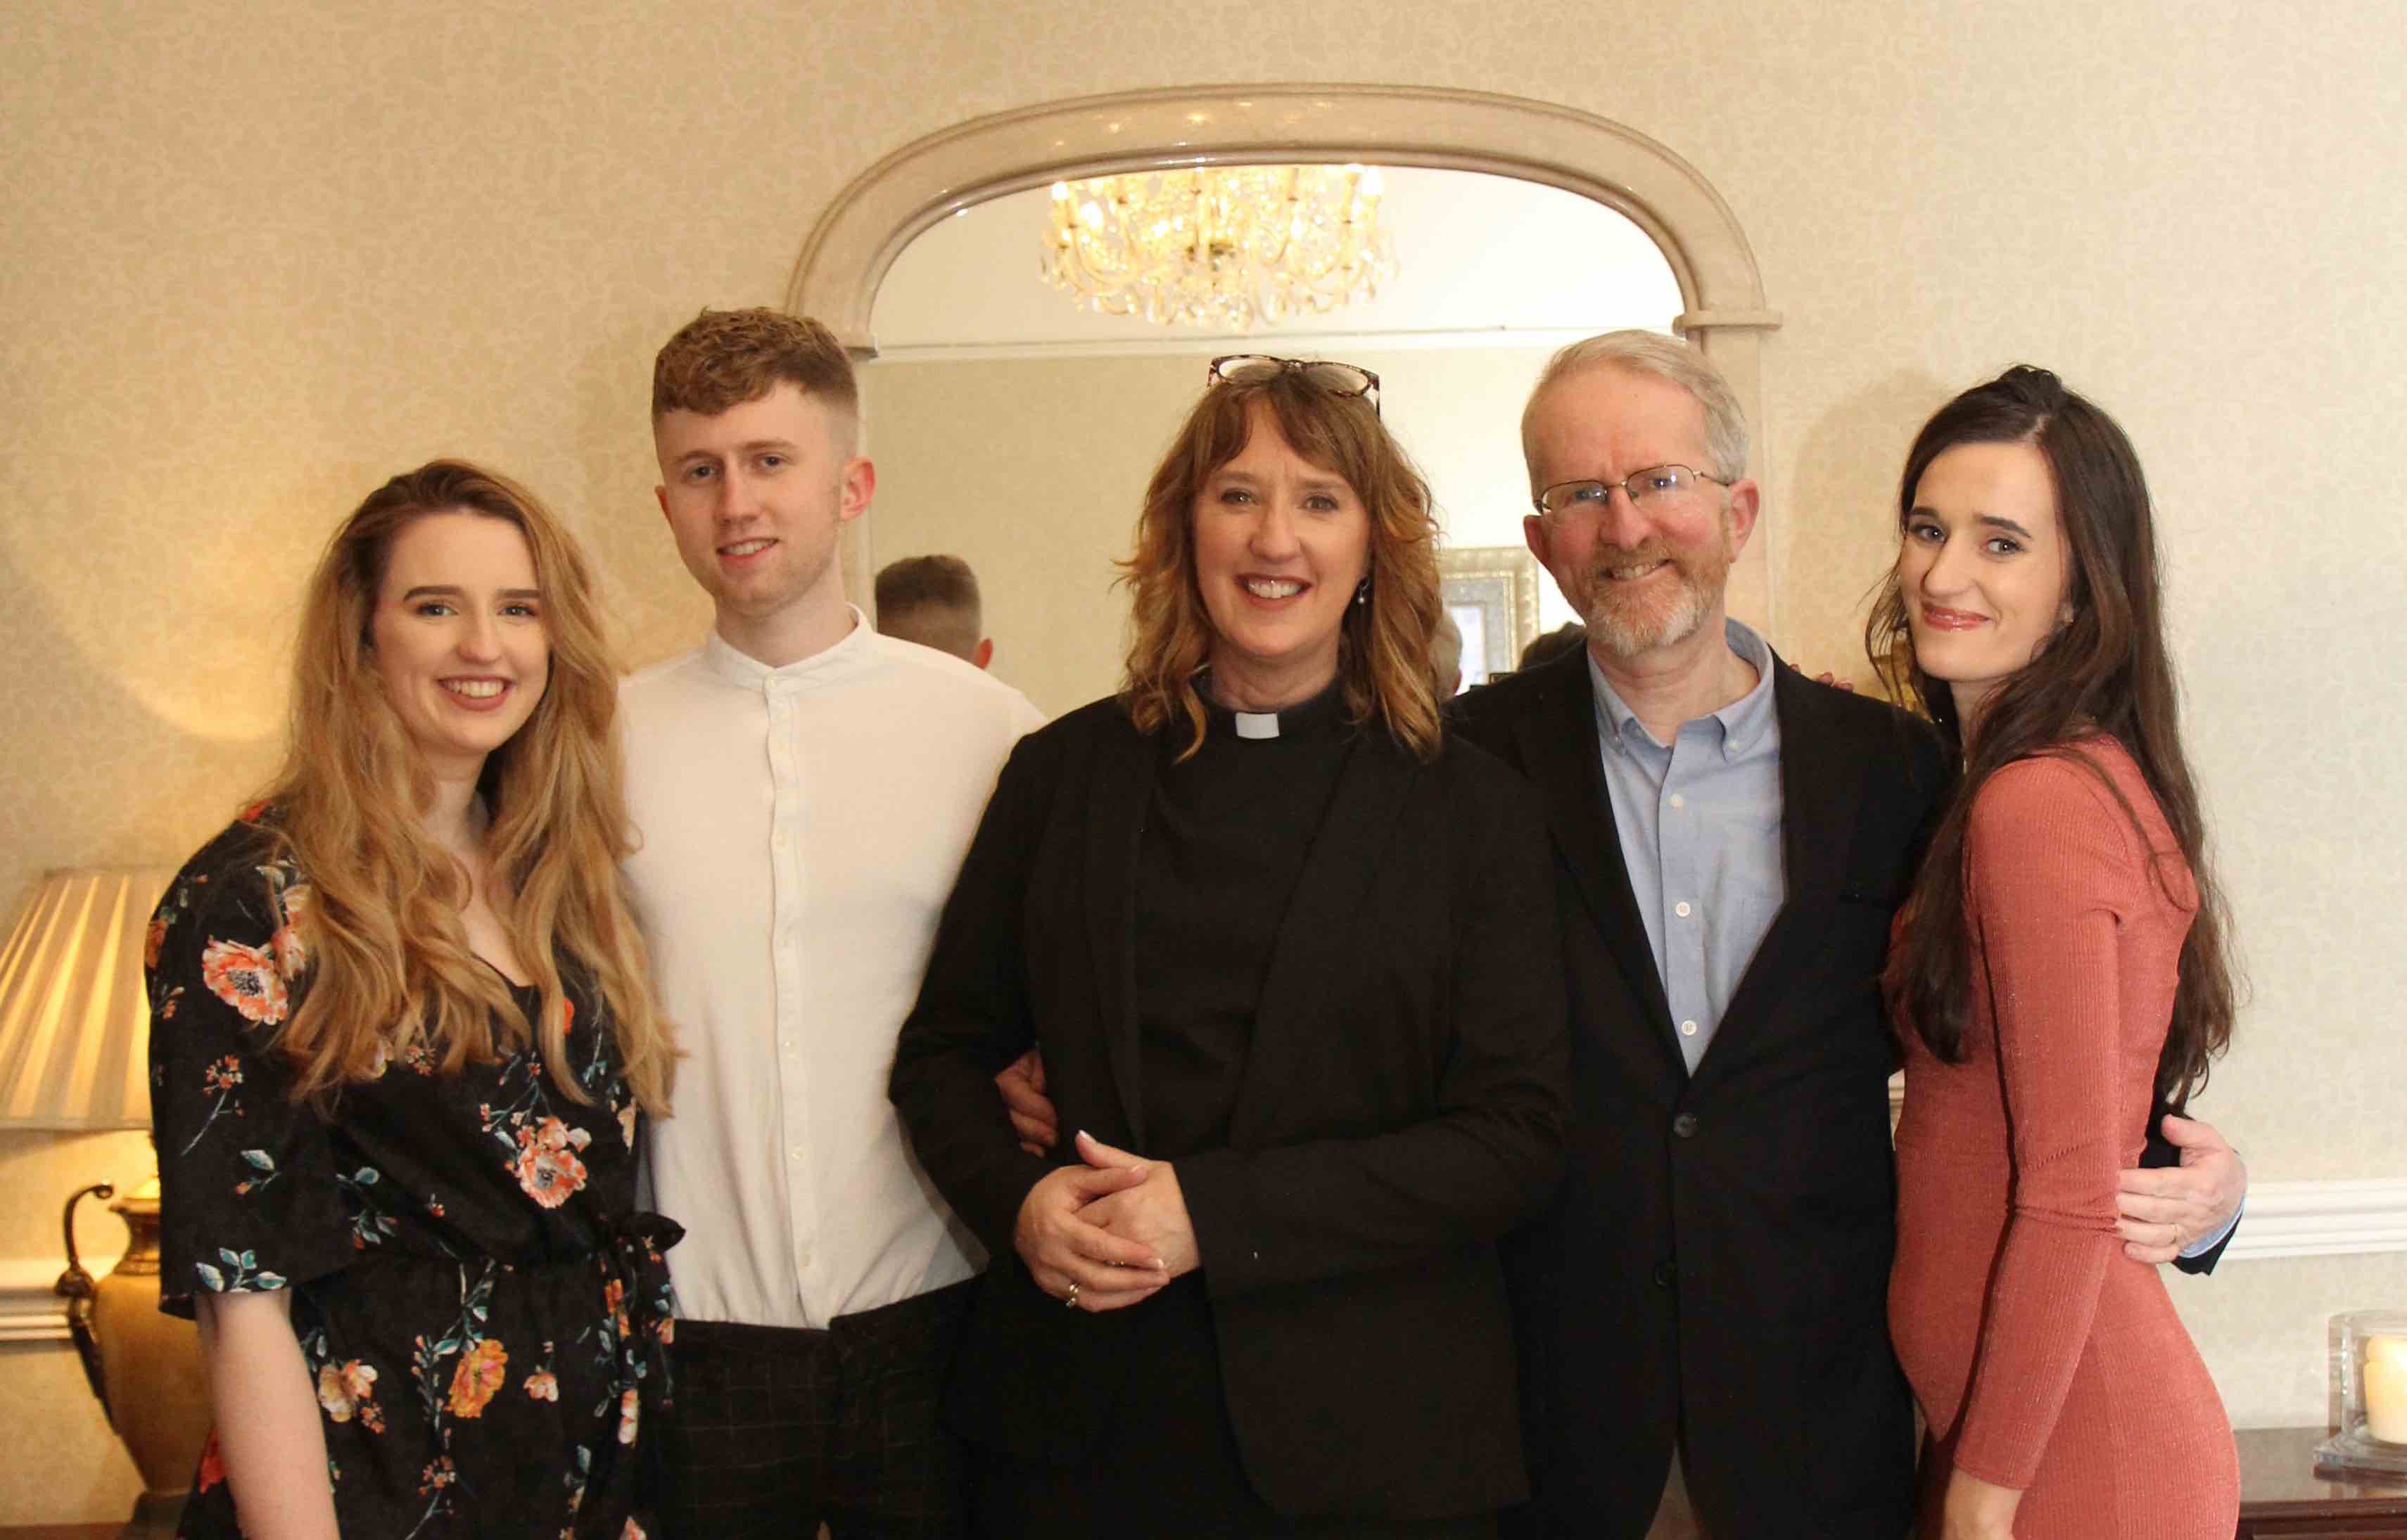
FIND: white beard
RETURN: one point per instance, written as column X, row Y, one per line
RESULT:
column 1628, row 625
column 1628, row 631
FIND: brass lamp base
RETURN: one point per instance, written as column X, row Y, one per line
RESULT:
column 145, row 1367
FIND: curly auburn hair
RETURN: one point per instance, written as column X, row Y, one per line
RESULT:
column 1384, row 646
column 724, row 358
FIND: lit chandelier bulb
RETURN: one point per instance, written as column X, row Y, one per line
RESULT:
column 1228, row 246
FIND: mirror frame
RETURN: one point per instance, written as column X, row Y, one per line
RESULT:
column 877, row 214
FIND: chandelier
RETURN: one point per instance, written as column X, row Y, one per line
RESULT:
column 1226, row 246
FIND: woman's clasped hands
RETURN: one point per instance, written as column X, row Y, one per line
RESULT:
column 1108, row 1233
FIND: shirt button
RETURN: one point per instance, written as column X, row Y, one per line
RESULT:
column 1685, row 1125
column 1680, row 801
column 1687, row 1029
column 796, row 1152
column 1665, row 1273
column 1680, row 910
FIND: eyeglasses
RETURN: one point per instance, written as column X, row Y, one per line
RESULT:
column 1656, row 484
column 1334, row 378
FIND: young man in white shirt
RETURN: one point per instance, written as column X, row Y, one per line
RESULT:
column 803, row 790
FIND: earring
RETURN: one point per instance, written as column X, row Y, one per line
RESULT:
column 1362, row 592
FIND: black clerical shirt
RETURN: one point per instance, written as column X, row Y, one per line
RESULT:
column 1226, row 833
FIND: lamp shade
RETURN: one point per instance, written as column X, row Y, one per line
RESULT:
column 75, row 1027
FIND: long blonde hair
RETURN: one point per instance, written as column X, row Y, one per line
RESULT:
column 1383, row 649
column 389, row 968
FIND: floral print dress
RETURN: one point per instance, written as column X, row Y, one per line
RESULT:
column 485, row 1314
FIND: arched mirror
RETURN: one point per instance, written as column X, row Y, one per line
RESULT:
column 1016, row 427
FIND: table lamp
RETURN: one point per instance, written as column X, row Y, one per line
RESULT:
column 74, row 1054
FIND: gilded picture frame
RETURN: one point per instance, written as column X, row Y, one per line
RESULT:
column 1492, row 593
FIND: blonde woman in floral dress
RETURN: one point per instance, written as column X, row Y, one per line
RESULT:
column 401, row 1042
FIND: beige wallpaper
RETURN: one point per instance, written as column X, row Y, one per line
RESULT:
column 254, row 257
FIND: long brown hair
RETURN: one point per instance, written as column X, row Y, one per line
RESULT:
column 390, row 971
column 2106, row 671
column 1383, row 646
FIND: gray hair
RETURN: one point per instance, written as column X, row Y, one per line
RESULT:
column 1665, row 358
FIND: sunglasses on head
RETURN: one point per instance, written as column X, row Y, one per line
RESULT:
column 1336, row 378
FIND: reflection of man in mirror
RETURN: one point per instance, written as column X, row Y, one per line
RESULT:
column 1570, row 637
column 803, row 791
column 1701, row 1313
column 934, row 601
column 1446, row 656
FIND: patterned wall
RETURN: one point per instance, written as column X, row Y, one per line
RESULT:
column 255, row 257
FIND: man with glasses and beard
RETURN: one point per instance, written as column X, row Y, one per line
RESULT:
column 1700, row 1309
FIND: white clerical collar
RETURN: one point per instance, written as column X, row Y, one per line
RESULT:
column 1302, row 717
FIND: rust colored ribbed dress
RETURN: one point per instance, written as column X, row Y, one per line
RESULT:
column 2044, row 1359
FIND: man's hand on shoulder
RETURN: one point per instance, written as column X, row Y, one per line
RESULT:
column 2165, row 1210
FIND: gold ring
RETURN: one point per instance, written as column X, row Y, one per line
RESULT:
column 1071, row 1299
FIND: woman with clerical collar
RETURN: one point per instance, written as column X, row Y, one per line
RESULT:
column 1288, row 952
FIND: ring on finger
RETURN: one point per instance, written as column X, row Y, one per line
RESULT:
column 1071, row 1299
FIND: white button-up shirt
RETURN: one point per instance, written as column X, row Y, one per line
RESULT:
column 800, row 830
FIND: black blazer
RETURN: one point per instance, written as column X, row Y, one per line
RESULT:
column 1716, row 1258
column 1403, row 1106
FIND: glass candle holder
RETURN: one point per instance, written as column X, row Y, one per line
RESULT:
column 2368, row 1392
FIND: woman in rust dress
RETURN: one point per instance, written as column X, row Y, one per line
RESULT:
column 2060, row 963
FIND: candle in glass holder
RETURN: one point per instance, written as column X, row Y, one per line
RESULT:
column 2385, row 1389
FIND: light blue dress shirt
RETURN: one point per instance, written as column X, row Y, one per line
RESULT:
column 1700, row 824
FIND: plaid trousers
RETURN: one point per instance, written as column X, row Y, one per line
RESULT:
column 777, row 1431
